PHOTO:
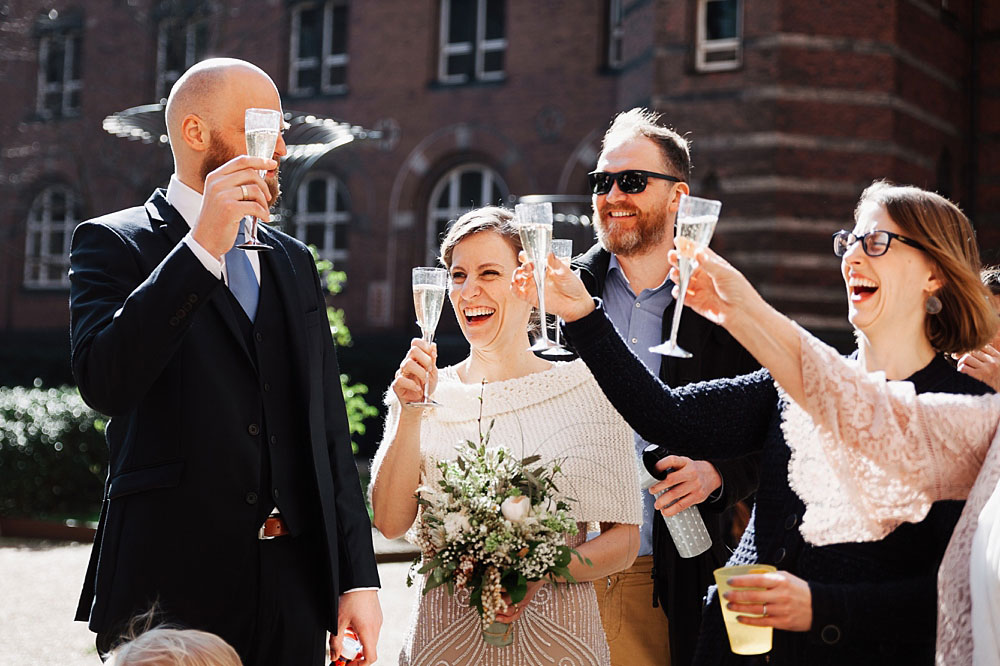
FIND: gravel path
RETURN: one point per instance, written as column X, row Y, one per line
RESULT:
column 41, row 584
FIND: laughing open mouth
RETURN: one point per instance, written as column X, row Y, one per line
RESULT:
column 478, row 314
column 861, row 288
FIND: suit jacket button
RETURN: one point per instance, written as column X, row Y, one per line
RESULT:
column 267, row 387
column 275, row 493
column 174, row 321
column 253, row 429
column 251, row 498
column 192, row 298
column 274, row 439
column 791, row 521
column 258, row 337
column 830, row 634
column 779, row 555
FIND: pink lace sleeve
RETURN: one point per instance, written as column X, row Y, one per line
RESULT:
column 868, row 454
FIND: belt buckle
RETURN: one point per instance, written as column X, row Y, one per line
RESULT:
column 260, row 533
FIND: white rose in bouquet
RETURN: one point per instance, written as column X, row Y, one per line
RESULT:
column 456, row 523
column 515, row 509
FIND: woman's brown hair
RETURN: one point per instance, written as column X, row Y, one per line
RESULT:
column 966, row 321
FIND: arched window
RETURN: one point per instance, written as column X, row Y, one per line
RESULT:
column 322, row 215
column 461, row 189
column 51, row 220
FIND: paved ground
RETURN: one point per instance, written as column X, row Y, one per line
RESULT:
column 38, row 593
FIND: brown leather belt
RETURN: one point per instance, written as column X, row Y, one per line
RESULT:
column 273, row 527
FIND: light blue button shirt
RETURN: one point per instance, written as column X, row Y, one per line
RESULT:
column 639, row 320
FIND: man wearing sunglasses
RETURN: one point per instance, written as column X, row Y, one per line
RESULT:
column 642, row 171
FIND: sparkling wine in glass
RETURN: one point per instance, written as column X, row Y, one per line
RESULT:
column 563, row 249
column 262, row 128
column 430, row 287
column 696, row 219
column 534, row 224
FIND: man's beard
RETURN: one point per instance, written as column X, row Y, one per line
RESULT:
column 650, row 228
column 218, row 154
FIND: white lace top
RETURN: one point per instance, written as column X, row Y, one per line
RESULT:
column 871, row 454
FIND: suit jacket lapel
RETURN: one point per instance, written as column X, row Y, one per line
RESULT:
column 289, row 287
column 171, row 224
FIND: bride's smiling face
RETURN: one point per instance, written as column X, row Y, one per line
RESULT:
column 490, row 315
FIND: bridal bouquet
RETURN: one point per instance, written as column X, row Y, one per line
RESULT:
column 493, row 524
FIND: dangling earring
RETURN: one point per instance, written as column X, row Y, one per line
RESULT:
column 932, row 304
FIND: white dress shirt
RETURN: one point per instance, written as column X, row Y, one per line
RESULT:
column 188, row 204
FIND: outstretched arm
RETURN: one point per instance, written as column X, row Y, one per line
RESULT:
column 725, row 418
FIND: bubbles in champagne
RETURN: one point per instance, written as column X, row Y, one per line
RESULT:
column 428, row 301
column 536, row 239
column 261, row 142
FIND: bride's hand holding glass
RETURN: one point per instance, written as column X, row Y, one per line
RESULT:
column 565, row 293
column 417, row 371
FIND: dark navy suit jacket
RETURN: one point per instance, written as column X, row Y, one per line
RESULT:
column 155, row 345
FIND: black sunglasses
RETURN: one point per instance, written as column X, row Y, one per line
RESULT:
column 632, row 181
column 874, row 243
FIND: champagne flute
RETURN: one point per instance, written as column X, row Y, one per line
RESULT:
column 534, row 224
column 696, row 219
column 563, row 249
column 262, row 128
column 430, row 286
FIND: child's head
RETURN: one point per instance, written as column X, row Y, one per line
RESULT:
column 164, row 646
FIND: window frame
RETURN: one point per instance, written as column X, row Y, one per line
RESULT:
column 479, row 48
column 330, row 219
column 38, row 231
column 615, row 52
column 325, row 61
column 165, row 78
column 704, row 47
column 451, row 178
column 72, row 42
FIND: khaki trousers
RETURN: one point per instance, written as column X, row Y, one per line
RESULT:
column 637, row 632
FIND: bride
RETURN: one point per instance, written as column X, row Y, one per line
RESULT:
column 554, row 410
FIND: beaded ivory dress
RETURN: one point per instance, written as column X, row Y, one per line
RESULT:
column 559, row 413
column 871, row 454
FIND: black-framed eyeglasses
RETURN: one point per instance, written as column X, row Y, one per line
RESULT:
column 631, row 181
column 874, row 243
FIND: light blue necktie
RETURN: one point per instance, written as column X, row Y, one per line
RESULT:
column 242, row 280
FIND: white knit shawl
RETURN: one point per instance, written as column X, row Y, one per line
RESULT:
column 558, row 414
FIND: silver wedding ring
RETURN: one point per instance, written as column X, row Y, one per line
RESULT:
column 243, row 189
column 764, row 614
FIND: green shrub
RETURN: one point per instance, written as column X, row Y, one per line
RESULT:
column 53, row 459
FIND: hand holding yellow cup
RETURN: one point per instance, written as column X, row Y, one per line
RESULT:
column 743, row 638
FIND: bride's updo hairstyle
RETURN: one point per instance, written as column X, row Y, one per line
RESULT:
column 490, row 218
column 967, row 320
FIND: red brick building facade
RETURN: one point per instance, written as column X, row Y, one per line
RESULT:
column 793, row 107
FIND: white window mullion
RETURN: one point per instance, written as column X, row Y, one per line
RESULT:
column 43, row 61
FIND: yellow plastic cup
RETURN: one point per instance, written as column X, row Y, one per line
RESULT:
column 743, row 638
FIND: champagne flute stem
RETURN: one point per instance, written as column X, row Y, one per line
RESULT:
column 682, row 290
column 428, row 338
column 540, row 288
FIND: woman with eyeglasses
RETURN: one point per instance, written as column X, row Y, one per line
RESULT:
column 910, row 271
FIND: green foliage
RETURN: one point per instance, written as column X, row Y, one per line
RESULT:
column 358, row 409
column 53, row 459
